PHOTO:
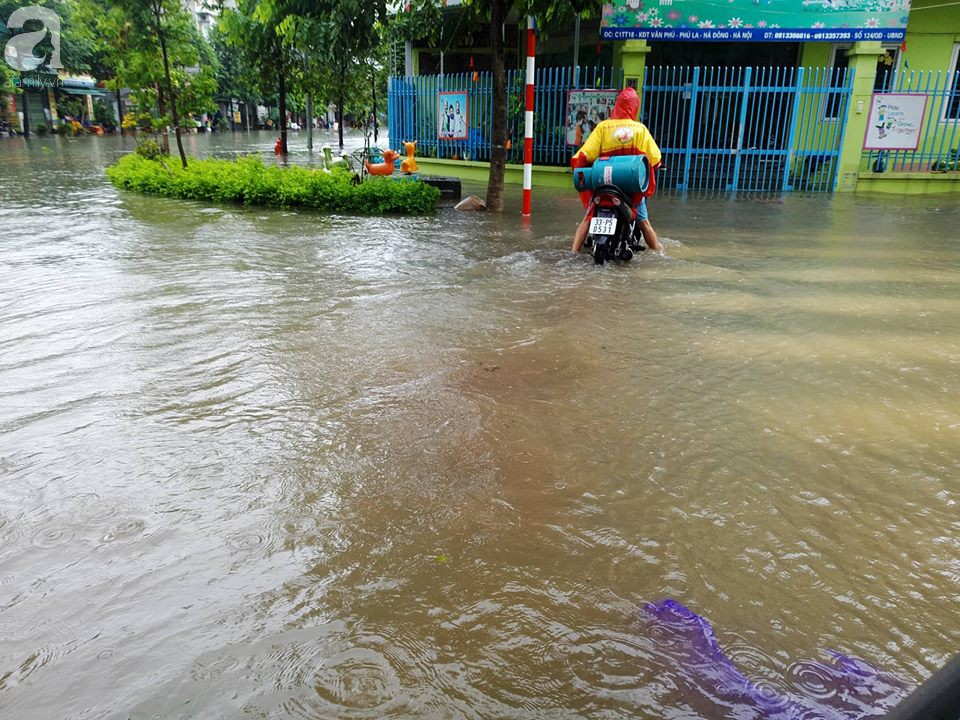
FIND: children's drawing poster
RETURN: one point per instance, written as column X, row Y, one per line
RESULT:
column 585, row 110
column 894, row 122
column 452, row 114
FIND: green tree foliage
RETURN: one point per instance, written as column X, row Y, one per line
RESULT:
column 196, row 85
column 103, row 115
column 76, row 44
column 75, row 39
column 72, row 105
column 111, row 31
column 7, row 86
column 264, row 51
column 423, row 20
column 334, row 44
column 161, row 56
column 236, row 78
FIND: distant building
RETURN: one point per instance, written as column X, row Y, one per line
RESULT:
column 205, row 13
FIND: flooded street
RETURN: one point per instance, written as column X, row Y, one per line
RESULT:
column 274, row 464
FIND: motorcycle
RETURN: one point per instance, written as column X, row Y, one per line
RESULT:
column 614, row 234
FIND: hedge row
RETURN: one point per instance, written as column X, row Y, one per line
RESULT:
column 249, row 181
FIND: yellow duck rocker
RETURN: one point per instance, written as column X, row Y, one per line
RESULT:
column 409, row 165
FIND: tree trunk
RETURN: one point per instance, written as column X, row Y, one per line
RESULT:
column 25, row 126
column 343, row 79
column 282, row 109
column 340, row 118
column 171, row 96
column 373, row 90
column 498, row 151
column 119, row 109
column 164, row 132
column 309, row 102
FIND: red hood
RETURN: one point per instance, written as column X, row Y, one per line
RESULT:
column 626, row 106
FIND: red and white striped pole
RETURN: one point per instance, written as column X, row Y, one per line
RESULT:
column 528, row 116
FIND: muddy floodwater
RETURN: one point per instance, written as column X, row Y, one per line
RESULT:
column 271, row 464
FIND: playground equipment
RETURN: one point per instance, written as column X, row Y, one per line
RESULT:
column 409, row 165
column 386, row 167
column 329, row 161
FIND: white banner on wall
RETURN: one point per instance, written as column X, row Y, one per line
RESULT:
column 895, row 121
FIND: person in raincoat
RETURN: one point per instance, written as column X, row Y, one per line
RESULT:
column 621, row 134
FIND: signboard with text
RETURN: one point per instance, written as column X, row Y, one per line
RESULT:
column 755, row 20
column 895, row 121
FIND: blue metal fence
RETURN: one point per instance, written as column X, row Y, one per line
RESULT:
column 412, row 111
column 725, row 129
column 747, row 129
column 938, row 148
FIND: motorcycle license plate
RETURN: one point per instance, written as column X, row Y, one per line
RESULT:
column 603, row 226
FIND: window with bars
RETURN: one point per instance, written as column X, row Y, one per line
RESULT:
column 951, row 106
column 838, row 69
column 839, row 63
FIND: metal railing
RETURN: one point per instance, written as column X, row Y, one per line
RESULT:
column 938, row 149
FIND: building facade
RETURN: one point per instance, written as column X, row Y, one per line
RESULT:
column 733, row 115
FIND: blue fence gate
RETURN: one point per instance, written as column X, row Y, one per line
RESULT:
column 747, row 129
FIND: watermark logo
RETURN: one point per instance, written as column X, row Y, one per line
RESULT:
column 19, row 49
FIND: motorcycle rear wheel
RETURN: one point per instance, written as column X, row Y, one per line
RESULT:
column 599, row 254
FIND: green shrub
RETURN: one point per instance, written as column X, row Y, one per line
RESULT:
column 41, row 130
column 103, row 114
column 249, row 181
column 148, row 149
column 70, row 105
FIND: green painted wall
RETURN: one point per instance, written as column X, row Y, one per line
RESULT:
column 815, row 54
column 909, row 183
column 931, row 33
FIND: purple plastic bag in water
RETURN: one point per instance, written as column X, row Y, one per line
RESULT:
column 845, row 689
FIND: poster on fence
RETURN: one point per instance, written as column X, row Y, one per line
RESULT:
column 452, row 115
column 894, row 122
column 755, row 20
column 585, row 110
